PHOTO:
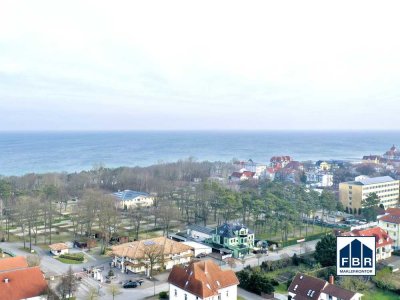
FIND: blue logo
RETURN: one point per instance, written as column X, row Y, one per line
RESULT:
column 355, row 255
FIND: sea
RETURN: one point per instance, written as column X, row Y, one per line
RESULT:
column 41, row 152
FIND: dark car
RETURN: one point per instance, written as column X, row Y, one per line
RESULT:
column 200, row 255
column 130, row 285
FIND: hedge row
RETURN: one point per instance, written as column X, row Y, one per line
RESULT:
column 72, row 257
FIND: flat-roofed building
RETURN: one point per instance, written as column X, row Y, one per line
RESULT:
column 352, row 193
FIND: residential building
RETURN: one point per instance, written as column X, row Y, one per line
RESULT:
column 251, row 166
column 280, row 161
column 392, row 154
column 19, row 281
column 319, row 178
column 309, row 287
column 384, row 244
column 235, row 237
column 130, row 198
column 242, row 175
column 373, row 159
column 323, row 165
column 58, row 248
column 202, row 280
column 390, row 222
column 352, row 193
column 134, row 256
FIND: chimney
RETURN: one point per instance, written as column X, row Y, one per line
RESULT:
column 331, row 279
column 5, row 280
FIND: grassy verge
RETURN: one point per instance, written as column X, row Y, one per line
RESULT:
column 380, row 294
column 26, row 250
column 240, row 298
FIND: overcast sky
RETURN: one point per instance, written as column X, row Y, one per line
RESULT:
column 119, row 65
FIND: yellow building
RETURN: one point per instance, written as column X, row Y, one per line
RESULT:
column 352, row 193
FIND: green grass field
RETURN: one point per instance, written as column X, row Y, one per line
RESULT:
column 380, row 294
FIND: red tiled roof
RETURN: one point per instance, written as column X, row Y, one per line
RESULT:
column 22, row 283
column 248, row 173
column 202, row 278
column 391, row 219
column 393, row 211
column 377, row 232
column 236, row 174
column 11, row 263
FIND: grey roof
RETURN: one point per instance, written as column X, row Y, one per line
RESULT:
column 129, row 195
column 227, row 230
column 375, row 180
column 202, row 229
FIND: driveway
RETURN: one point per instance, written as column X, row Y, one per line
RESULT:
column 51, row 266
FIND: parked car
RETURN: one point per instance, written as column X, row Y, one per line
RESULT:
column 200, row 255
column 130, row 285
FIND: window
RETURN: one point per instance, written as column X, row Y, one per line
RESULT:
column 175, row 293
column 185, row 296
column 219, row 296
column 227, row 293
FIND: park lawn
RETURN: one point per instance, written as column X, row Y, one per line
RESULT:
column 379, row 294
column 68, row 261
column 240, row 298
column 317, row 230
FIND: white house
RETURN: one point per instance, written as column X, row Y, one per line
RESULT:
column 128, row 198
column 202, row 280
column 308, row 287
column 58, row 249
column 134, row 256
column 390, row 222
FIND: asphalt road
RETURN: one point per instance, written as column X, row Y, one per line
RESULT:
column 52, row 266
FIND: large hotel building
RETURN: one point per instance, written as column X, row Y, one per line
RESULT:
column 352, row 193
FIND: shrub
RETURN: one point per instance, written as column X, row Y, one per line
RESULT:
column 163, row 295
column 77, row 257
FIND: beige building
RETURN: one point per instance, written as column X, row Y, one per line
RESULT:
column 165, row 253
column 128, row 199
column 352, row 193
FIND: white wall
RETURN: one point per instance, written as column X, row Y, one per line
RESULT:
column 180, row 294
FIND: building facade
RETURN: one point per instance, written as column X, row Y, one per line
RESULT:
column 235, row 237
column 390, row 222
column 127, row 199
column 202, row 280
column 383, row 242
column 135, row 256
column 352, row 193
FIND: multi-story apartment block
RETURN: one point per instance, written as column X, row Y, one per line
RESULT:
column 352, row 193
column 390, row 222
